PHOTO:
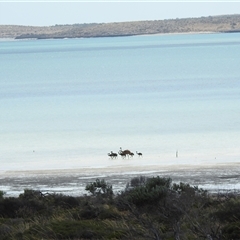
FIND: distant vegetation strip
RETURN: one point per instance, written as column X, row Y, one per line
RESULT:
column 223, row 23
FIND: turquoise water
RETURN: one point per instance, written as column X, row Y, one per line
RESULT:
column 67, row 103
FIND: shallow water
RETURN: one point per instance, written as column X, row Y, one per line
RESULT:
column 66, row 103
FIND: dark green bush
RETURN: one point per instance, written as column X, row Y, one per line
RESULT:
column 89, row 212
column 30, row 194
column 59, row 200
column 143, row 195
column 158, row 181
column 138, row 181
column 151, row 208
column 147, row 191
column 232, row 230
column 100, row 187
column 229, row 210
column 9, row 207
column 1, row 195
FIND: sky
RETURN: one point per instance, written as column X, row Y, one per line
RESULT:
column 48, row 13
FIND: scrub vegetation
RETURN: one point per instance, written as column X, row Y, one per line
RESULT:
column 223, row 23
column 148, row 208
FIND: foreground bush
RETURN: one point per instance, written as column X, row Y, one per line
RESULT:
column 149, row 208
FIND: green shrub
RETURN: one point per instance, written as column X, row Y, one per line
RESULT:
column 229, row 210
column 232, row 230
column 158, row 181
column 9, row 207
column 30, row 194
column 99, row 187
column 1, row 195
column 138, row 181
column 186, row 188
column 150, row 191
column 143, row 195
column 59, row 200
column 89, row 212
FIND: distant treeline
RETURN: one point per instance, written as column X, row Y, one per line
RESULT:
column 223, row 23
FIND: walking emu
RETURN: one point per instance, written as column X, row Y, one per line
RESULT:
column 139, row 154
column 125, row 152
column 131, row 154
column 112, row 155
column 123, row 155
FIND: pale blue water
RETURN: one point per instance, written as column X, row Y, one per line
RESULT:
column 67, row 103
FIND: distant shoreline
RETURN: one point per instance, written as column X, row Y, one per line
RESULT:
column 154, row 34
column 157, row 34
column 211, row 24
column 124, row 169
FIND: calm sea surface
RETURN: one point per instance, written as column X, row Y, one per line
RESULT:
column 65, row 104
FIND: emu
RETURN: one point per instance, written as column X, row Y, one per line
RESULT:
column 139, row 154
column 125, row 152
column 112, row 155
column 123, row 155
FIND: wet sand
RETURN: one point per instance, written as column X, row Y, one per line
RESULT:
column 215, row 178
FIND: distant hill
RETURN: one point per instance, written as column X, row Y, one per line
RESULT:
column 223, row 23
